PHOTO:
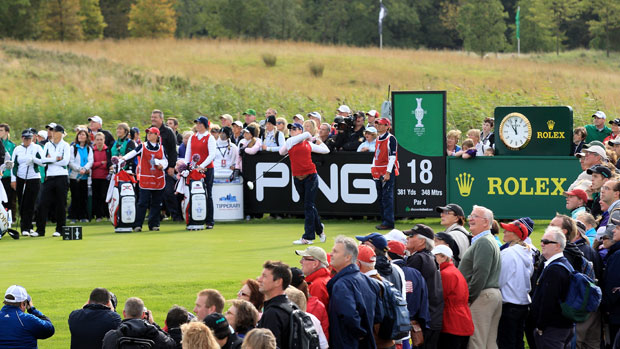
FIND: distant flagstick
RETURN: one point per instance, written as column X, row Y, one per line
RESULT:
column 382, row 14
column 517, row 22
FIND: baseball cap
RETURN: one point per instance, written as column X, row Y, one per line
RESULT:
column 600, row 169
column 238, row 123
column 614, row 218
column 28, row 134
column 96, row 118
column 298, row 116
column 615, row 121
column 218, row 324
column 516, row 227
column 421, row 229
column 271, row 119
column 396, row 235
column 593, row 149
column 314, row 252
column 18, row 292
column 599, row 114
column 203, row 120
column 297, row 277
column 373, row 113
column 396, row 247
column 580, row 193
column 376, row 239
column 249, row 112
column 152, row 130
column 383, row 121
column 295, row 125
column 449, row 240
column 443, row 249
column 614, row 141
column 59, row 128
column 593, row 143
column 42, row 133
column 50, row 125
column 227, row 131
column 315, row 114
column 458, row 210
column 250, row 129
column 344, row 109
column 366, row 254
column 371, row 130
column 227, row 117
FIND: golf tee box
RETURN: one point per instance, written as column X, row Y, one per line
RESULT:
column 72, row 233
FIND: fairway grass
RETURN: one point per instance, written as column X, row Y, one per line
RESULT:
column 163, row 268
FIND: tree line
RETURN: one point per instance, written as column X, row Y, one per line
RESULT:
column 480, row 26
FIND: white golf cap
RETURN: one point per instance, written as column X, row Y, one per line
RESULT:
column 396, row 235
column 443, row 249
column 599, row 115
column 96, row 119
column 344, row 109
column 19, row 294
column 315, row 114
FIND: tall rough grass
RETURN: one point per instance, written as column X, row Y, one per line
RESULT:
column 124, row 80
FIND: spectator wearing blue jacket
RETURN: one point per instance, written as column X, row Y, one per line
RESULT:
column 611, row 282
column 352, row 299
column 89, row 325
column 21, row 324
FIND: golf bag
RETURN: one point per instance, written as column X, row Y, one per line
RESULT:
column 194, row 204
column 5, row 215
column 121, row 199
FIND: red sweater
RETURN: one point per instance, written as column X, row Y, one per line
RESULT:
column 317, row 308
column 456, row 314
column 100, row 164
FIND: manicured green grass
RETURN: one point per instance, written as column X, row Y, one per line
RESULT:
column 163, row 268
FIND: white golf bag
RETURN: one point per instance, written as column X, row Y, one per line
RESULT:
column 121, row 199
column 194, row 204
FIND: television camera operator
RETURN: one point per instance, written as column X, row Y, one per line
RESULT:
column 350, row 131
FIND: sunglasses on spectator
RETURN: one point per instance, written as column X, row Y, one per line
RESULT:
column 308, row 259
column 241, row 294
column 547, row 242
column 280, row 123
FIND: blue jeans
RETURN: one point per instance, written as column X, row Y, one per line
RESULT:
column 307, row 189
column 155, row 197
column 385, row 196
column 209, row 175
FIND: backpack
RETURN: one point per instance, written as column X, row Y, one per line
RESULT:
column 301, row 329
column 583, row 296
column 395, row 323
column 134, row 343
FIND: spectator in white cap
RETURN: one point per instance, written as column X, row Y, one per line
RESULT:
column 237, row 127
column 597, row 131
column 396, row 235
column 21, row 324
column 590, row 156
column 343, row 111
column 371, row 140
column 95, row 124
column 298, row 118
column 372, row 116
column 41, row 136
column 226, row 120
column 316, row 116
column 457, row 322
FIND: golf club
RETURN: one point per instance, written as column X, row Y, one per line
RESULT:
column 250, row 184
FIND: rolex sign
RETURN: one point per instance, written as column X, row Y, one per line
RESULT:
column 512, row 186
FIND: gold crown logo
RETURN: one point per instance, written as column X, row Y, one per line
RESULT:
column 550, row 124
column 464, row 182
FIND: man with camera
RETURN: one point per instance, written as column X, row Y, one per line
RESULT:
column 89, row 325
column 350, row 132
column 21, row 324
column 137, row 327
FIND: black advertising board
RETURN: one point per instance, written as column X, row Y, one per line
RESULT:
column 345, row 185
column 420, row 129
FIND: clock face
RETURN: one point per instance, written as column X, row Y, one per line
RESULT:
column 515, row 131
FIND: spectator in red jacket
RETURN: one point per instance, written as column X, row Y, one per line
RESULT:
column 101, row 163
column 314, row 266
column 457, row 322
column 313, row 305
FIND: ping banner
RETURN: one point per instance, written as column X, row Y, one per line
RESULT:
column 512, row 186
column 346, row 187
column 419, row 124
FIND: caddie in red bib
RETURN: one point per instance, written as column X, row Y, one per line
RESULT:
column 203, row 144
column 153, row 162
column 384, row 171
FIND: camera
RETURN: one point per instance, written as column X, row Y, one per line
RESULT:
column 343, row 123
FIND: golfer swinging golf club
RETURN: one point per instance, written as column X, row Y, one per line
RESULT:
column 305, row 178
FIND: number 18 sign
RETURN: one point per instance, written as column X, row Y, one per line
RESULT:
column 419, row 124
